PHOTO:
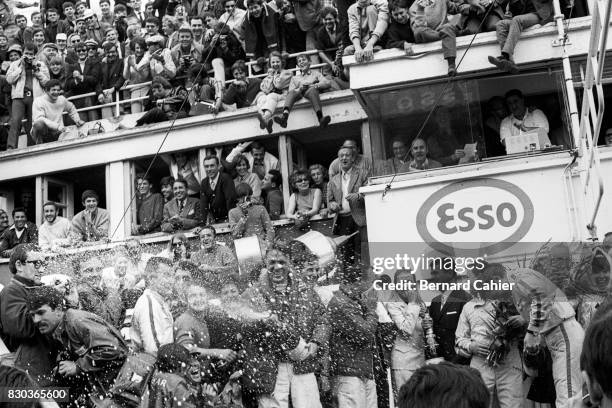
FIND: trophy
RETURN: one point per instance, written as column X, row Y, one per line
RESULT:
column 431, row 345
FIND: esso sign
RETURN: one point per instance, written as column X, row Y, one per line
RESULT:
column 489, row 213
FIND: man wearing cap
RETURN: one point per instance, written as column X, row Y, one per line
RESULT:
column 158, row 58
column 48, row 113
column 47, row 52
column 186, row 52
column 54, row 25
column 26, row 77
column 94, row 30
column 61, row 41
column 93, row 223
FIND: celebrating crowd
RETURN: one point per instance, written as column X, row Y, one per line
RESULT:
column 174, row 59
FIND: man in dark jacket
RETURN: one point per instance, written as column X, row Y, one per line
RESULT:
column 34, row 351
column 112, row 78
column 445, row 310
column 399, row 33
column 92, row 351
column 353, row 321
column 243, row 90
column 218, row 193
column 21, row 232
column 261, row 30
column 55, row 25
column 304, row 332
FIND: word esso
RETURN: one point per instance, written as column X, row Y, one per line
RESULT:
column 492, row 213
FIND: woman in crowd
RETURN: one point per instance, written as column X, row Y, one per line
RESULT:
column 274, row 88
column 420, row 161
column 4, row 221
column 178, row 248
column 246, row 176
column 136, row 73
column 305, row 201
column 318, row 174
column 405, row 308
column 57, row 70
column 250, row 218
column 170, row 27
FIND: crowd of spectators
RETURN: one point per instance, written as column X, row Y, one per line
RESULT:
column 181, row 59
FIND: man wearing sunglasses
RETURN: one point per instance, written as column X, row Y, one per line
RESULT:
column 18, row 331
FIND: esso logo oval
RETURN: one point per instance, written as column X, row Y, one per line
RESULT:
column 493, row 213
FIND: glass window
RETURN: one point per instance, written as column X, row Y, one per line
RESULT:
column 466, row 120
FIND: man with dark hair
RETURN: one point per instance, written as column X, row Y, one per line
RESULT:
column 48, row 113
column 26, row 76
column 522, row 119
column 93, row 350
column 182, row 212
column 166, row 187
column 111, row 79
column 353, row 320
column 596, row 357
column 21, row 232
column 446, row 308
column 213, row 257
column 399, row 33
column 152, row 322
column 243, row 90
column 55, row 231
column 150, row 208
column 444, row 385
column 261, row 30
column 93, row 223
column 151, row 25
column 169, row 383
column 218, row 192
column 33, row 350
column 260, row 161
column 55, row 25
column 274, row 201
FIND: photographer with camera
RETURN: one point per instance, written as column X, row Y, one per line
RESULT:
column 26, row 76
column 186, row 52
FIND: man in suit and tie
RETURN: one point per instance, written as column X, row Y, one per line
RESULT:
column 182, row 212
column 218, row 193
column 344, row 199
column 446, row 308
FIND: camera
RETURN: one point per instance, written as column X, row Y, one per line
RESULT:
column 187, row 60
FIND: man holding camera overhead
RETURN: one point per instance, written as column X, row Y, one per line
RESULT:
column 26, row 76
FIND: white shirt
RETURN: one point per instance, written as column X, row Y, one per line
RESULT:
column 54, row 234
column 346, row 178
column 535, row 119
column 151, row 326
column 213, row 182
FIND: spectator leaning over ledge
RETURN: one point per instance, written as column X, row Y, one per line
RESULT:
column 204, row 89
column 27, row 78
column 306, row 85
column 48, row 113
column 399, row 33
column 93, row 223
column 368, row 21
column 55, row 230
column 21, row 232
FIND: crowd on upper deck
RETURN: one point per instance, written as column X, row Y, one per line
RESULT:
column 182, row 58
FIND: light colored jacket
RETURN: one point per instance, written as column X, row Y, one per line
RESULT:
column 377, row 15
column 152, row 323
column 409, row 342
column 16, row 76
column 165, row 68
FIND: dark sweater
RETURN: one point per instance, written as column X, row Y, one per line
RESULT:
column 217, row 203
column 150, row 213
column 397, row 34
